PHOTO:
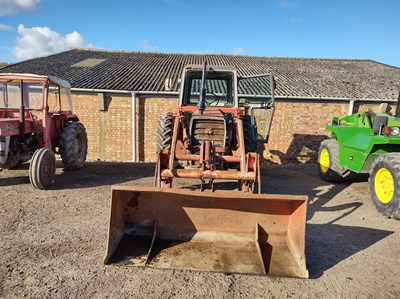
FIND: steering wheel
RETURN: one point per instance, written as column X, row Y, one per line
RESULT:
column 212, row 101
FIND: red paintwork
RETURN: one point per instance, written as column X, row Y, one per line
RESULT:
column 212, row 111
column 49, row 124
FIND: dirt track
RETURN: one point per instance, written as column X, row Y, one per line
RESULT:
column 53, row 242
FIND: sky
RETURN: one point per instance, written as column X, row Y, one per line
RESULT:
column 350, row 29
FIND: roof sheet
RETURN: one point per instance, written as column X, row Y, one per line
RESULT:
column 141, row 71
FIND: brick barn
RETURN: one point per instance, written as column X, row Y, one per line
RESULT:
column 119, row 95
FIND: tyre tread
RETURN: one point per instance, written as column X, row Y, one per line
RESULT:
column 164, row 128
column 336, row 173
column 68, row 135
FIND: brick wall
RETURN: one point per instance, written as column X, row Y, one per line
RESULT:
column 87, row 109
column 297, row 130
column 148, row 111
column 111, row 128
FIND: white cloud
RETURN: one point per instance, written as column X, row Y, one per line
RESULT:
column 42, row 41
column 146, row 46
column 11, row 7
column 4, row 27
column 239, row 51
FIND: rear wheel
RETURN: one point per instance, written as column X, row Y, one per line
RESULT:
column 42, row 168
column 164, row 131
column 74, row 146
column 250, row 134
column 385, row 184
column 329, row 167
column 250, row 145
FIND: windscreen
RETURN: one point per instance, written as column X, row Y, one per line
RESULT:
column 11, row 95
column 219, row 86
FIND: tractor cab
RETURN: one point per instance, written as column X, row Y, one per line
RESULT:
column 33, row 92
column 219, row 92
column 220, row 87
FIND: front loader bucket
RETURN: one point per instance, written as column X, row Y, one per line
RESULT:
column 221, row 231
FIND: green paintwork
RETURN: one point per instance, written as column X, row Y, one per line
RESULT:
column 358, row 145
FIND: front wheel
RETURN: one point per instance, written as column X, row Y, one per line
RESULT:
column 385, row 184
column 42, row 168
column 329, row 168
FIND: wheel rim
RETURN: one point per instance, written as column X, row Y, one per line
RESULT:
column 47, row 169
column 384, row 185
column 324, row 160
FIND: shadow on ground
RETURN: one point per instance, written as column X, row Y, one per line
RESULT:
column 329, row 243
column 94, row 174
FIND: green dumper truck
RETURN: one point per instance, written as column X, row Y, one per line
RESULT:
column 365, row 143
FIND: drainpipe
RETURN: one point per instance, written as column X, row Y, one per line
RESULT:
column 351, row 106
column 133, row 126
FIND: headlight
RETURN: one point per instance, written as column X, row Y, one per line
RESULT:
column 394, row 131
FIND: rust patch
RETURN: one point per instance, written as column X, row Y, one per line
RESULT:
column 133, row 202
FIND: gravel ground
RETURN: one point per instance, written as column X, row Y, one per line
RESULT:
column 53, row 242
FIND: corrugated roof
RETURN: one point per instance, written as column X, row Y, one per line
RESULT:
column 140, row 71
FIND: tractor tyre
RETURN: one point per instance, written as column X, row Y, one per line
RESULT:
column 164, row 131
column 384, row 184
column 73, row 146
column 329, row 167
column 42, row 168
column 250, row 135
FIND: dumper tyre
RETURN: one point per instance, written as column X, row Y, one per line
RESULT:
column 42, row 168
column 74, row 146
column 329, row 167
column 164, row 131
column 384, row 184
column 250, row 134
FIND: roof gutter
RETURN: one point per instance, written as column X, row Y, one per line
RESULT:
column 176, row 93
column 335, row 99
column 112, row 91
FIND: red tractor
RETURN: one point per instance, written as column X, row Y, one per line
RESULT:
column 36, row 121
column 212, row 136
